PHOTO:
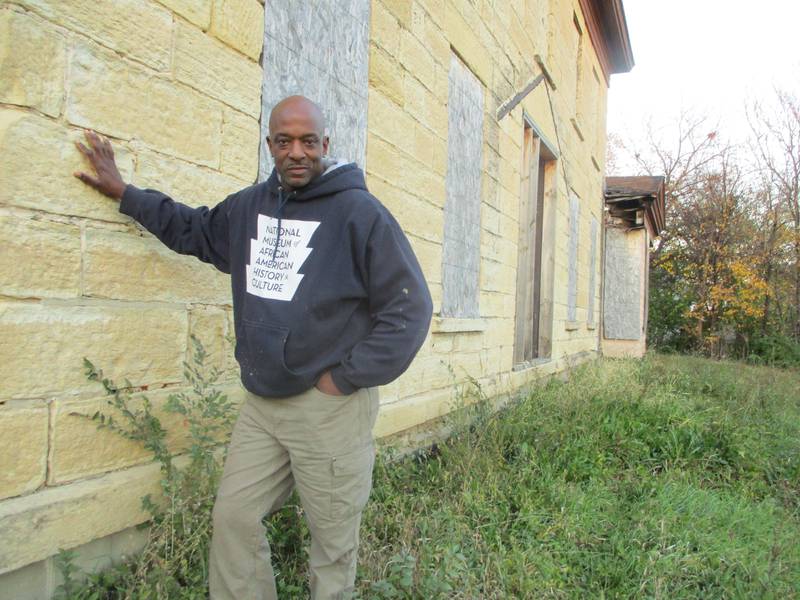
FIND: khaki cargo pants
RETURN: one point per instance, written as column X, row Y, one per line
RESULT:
column 323, row 446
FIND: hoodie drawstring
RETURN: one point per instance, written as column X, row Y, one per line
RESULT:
column 282, row 200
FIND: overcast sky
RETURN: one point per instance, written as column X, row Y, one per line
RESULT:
column 707, row 55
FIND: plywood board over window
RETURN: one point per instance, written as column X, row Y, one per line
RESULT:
column 592, row 273
column 622, row 298
column 536, row 264
column 462, row 209
column 319, row 50
column 574, row 235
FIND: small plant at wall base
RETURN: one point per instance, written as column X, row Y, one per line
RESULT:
column 173, row 563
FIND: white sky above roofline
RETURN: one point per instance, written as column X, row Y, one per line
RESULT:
column 705, row 56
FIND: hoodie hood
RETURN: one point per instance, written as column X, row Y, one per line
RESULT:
column 337, row 177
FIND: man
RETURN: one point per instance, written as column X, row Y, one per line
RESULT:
column 329, row 302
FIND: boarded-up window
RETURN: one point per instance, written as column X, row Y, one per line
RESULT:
column 319, row 50
column 462, row 209
column 535, row 257
column 622, row 288
column 574, row 234
column 592, row 273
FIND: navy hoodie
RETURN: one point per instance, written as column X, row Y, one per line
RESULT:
column 323, row 278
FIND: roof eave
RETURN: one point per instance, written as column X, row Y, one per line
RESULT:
column 608, row 30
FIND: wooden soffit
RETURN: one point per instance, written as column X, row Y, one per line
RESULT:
column 608, row 31
column 626, row 196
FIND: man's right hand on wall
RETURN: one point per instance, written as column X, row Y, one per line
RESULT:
column 100, row 155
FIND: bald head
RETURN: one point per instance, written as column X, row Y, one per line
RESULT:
column 293, row 107
column 297, row 141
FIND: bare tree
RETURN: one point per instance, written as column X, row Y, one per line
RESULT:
column 776, row 141
column 683, row 154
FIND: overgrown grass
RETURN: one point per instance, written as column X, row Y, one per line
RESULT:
column 671, row 477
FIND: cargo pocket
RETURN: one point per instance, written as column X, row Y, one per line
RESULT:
column 352, row 482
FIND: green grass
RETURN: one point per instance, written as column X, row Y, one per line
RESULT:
column 671, row 477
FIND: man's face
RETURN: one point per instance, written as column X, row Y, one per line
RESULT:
column 297, row 145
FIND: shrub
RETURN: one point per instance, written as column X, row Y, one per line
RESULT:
column 173, row 563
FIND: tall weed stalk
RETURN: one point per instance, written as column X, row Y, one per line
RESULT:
column 173, row 563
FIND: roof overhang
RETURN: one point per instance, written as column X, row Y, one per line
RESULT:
column 628, row 196
column 608, row 31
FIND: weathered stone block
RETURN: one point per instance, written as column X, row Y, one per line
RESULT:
column 51, row 341
column 401, row 9
column 470, row 341
column 137, row 28
column 39, row 258
column 37, row 160
column 427, row 27
column 410, row 175
column 408, row 412
column 435, row 10
column 509, row 176
column 421, row 103
column 209, row 66
column 521, row 37
column 430, row 368
column 103, row 93
column 194, row 11
column 209, row 326
column 441, row 85
column 384, row 29
column 409, row 191
column 240, row 24
column 129, row 267
column 185, row 182
column 467, row 43
column 416, row 215
column 500, row 332
column 423, row 145
column 240, row 139
column 390, row 121
column 439, row 161
column 69, row 515
column 429, row 255
column 33, row 63
column 496, row 277
column 509, row 147
column 417, row 59
column 23, row 449
column 386, row 75
column 81, row 448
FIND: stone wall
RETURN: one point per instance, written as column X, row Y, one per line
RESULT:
column 502, row 44
column 177, row 86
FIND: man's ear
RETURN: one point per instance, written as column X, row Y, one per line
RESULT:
column 325, row 141
column 269, row 145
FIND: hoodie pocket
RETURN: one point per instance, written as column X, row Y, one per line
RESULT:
column 264, row 361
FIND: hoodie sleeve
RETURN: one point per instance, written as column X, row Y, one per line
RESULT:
column 200, row 232
column 401, row 308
